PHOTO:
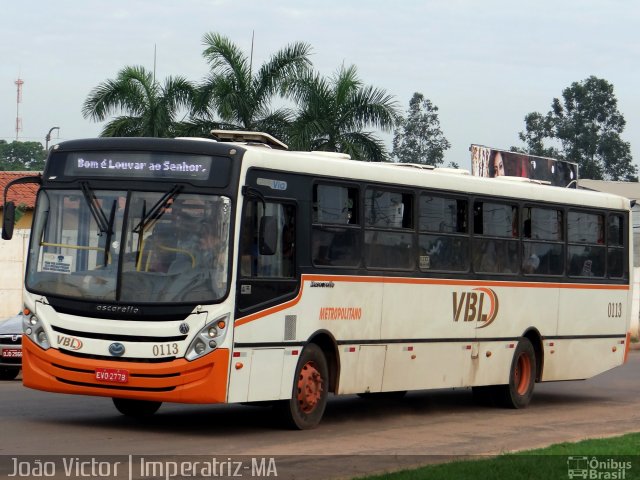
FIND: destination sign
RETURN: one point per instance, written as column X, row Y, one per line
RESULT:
column 138, row 165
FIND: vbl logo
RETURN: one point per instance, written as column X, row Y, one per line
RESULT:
column 71, row 343
column 471, row 306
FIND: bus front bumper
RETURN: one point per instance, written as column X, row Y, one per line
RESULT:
column 201, row 381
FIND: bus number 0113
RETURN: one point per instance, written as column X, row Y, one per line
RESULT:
column 165, row 349
column 615, row 309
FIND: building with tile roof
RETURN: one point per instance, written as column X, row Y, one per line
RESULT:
column 24, row 194
column 13, row 253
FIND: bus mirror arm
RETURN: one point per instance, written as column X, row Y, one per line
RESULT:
column 268, row 229
column 251, row 192
column 9, row 208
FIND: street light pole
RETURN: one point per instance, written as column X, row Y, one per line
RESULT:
column 48, row 137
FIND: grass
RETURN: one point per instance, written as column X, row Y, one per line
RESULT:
column 545, row 463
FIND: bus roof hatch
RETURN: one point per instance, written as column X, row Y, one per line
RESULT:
column 248, row 137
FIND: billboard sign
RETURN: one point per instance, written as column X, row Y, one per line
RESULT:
column 491, row 162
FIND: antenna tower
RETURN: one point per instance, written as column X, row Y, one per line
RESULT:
column 19, row 82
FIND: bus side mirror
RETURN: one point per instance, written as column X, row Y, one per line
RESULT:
column 268, row 236
column 9, row 213
column 8, row 220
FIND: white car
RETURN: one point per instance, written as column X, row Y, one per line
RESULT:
column 10, row 347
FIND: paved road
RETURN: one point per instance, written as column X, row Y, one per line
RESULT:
column 382, row 433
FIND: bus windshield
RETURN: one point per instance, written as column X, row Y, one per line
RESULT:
column 130, row 246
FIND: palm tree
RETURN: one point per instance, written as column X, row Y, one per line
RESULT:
column 149, row 109
column 333, row 115
column 239, row 98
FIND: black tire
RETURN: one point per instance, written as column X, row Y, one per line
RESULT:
column 522, row 377
column 308, row 400
column 8, row 373
column 136, row 408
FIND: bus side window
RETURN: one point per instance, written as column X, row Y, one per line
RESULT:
column 615, row 244
column 495, row 245
column 586, row 253
column 278, row 262
column 443, row 241
column 543, row 241
column 388, row 238
column 335, row 235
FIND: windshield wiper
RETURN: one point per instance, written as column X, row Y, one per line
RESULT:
column 157, row 210
column 107, row 243
column 96, row 209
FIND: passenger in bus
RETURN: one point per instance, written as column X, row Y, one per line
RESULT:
column 486, row 259
column 531, row 264
column 211, row 250
column 159, row 249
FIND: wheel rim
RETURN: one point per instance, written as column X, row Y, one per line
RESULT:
column 309, row 387
column 522, row 374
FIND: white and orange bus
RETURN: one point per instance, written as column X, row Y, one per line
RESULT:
column 182, row 270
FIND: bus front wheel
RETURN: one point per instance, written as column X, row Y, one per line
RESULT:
column 522, row 377
column 310, row 389
column 136, row 408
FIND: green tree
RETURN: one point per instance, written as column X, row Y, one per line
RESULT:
column 537, row 128
column 234, row 97
column 148, row 108
column 586, row 125
column 334, row 113
column 418, row 137
column 21, row 156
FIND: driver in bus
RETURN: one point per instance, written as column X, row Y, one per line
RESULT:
column 209, row 253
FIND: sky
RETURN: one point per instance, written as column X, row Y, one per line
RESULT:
column 484, row 64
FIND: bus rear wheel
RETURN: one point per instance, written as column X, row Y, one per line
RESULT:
column 522, row 377
column 136, row 408
column 310, row 390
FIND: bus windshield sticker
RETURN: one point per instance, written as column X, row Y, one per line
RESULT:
column 53, row 262
column 272, row 184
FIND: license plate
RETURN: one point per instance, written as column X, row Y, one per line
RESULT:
column 112, row 375
column 11, row 353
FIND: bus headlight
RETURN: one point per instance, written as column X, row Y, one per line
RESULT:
column 208, row 338
column 32, row 328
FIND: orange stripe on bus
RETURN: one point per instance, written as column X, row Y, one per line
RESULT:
column 269, row 311
column 420, row 281
column 479, row 283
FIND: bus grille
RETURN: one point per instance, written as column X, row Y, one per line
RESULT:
column 116, row 387
column 117, row 359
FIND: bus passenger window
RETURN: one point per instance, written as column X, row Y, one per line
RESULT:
column 615, row 243
column 495, row 246
column 443, row 242
column 586, row 252
column 335, row 235
column 389, row 238
column 543, row 246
